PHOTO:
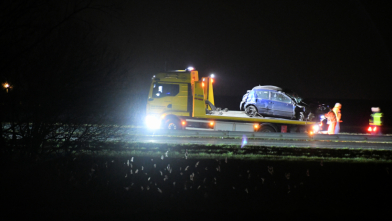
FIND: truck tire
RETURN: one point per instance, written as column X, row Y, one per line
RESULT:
column 267, row 129
column 172, row 124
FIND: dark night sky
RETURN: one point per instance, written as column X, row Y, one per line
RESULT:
column 321, row 49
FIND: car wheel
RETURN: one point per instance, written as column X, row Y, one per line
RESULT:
column 267, row 129
column 172, row 125
column 251, row 111
column 301, row 116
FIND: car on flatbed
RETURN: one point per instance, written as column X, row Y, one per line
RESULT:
column 273, row 101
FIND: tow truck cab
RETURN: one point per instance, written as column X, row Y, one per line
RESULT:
column 170, row 96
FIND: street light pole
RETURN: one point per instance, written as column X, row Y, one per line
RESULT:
column 7, row 87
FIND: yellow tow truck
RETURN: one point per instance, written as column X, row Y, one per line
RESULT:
column 179, row 100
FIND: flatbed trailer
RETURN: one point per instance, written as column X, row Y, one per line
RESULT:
column 178, row 100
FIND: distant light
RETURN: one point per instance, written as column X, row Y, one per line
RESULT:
column 183, row 122
column 370, row 129
column 316, row 128
column 202, row 84
column 212, row 123
column 190, row 69
column 212, row 75
column 7, row 86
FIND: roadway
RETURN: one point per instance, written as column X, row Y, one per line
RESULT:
column 264, row 139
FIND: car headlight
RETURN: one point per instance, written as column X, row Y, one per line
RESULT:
column 153, row 122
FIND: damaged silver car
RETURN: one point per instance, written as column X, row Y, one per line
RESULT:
column 274, row 101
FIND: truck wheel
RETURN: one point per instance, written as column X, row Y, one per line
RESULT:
column 172, row 125
column 267, row 129
column 251, row 111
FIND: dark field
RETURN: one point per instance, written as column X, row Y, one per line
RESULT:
column 102, row 188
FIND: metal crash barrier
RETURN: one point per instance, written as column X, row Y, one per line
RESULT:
column 283, row 136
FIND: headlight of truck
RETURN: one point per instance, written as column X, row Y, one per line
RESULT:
column 153, row 122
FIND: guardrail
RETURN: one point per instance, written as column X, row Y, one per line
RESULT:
column 283, row 136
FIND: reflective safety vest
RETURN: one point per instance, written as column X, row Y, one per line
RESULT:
column 376, row 119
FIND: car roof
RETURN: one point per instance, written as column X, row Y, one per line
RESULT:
column 268, row 87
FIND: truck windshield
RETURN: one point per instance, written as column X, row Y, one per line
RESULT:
column 163, row 90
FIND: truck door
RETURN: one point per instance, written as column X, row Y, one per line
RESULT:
column 167, row 97
column 180, row 101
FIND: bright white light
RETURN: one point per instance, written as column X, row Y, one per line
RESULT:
column 212, row 75
column 153, row 122
column 316, row 128
column 190, row 69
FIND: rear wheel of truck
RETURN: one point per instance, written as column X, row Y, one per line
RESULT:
column 172, row 124
column 267, row 129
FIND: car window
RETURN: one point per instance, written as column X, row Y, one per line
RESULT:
column 262, row 94
column 280, row 97
column 285, row 99
column 163, row 90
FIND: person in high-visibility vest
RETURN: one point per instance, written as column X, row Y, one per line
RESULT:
column 331, row 121
column 338, row 114
column 375, row 121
